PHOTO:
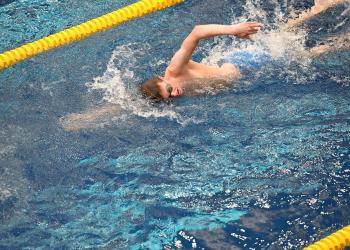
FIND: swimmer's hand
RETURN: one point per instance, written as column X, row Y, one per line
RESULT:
column 245, row 30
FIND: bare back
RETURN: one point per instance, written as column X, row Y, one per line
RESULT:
column 200, row 75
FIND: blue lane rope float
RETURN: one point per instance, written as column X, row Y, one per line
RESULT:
column 84, row 30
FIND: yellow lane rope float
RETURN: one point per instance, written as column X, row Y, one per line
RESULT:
column 84, row 30
column 338, row 240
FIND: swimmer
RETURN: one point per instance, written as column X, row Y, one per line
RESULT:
column 185, row 77
column 183, row 73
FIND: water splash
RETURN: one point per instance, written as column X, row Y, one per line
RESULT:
column 280, row 44
column 288, row 46
column 119, row 84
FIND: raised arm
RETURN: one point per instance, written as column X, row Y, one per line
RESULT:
column 184, row 54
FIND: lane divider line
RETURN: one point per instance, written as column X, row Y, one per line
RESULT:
column 336, row 241
column 84, row 30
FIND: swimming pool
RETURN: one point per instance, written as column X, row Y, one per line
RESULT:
column 264, row 165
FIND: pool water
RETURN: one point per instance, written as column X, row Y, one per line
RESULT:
column 264, row 164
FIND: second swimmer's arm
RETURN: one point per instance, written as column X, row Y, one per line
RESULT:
column 338, row 42
column 320, row 6
column 184, row 54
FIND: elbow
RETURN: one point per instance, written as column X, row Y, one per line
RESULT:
column 196, row 32
column 196, row 28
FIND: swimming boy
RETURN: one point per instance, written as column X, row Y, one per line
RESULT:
column 182, row 72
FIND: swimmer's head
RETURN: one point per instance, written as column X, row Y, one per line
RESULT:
column 151, row 89
column 158, row 88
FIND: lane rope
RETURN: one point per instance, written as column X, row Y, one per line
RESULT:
column 84, row 30
column 336, row 241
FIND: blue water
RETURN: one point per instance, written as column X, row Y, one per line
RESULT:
column 262, row 165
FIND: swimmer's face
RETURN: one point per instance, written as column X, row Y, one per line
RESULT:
column 167, row 89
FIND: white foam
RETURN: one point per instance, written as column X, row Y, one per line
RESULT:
column 286, row 46
column 119, row 84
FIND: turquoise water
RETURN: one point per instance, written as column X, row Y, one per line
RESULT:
column 262, row 165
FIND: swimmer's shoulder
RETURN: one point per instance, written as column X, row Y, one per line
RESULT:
column 231, row 71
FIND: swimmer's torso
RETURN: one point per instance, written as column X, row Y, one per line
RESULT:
column 196, row 75
column 195, row 70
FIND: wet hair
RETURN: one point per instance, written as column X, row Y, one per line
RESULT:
column 151, row 89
